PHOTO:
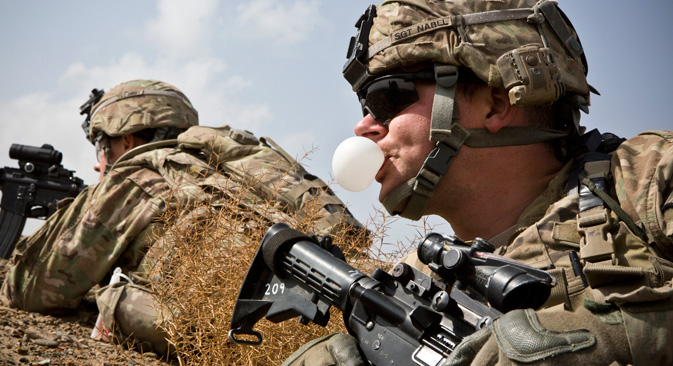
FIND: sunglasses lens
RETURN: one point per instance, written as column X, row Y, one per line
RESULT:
column 386, row 98
column 99, row 151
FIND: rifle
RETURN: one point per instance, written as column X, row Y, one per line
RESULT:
column 32, row 190
column 405, row 317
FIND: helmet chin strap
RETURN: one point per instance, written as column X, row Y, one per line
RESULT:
column 410, row 199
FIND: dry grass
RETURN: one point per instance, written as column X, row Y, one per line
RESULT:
column 198, row 273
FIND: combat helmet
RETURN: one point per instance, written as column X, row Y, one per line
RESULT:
column 154, row 110
column 138, row 105
column 528, row 48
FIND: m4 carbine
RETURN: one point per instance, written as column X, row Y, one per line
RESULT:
column 402, row 318
column 32, row 190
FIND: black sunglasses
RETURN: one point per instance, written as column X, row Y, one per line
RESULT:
column 385, row 97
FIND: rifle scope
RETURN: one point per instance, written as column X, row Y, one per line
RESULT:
column 45, row 154
column 507, row 284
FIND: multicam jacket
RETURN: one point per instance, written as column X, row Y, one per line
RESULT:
column 638, row 279
column 624, row 298
column 113, row 223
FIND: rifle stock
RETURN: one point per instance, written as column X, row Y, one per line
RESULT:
column 32, row 191
column 406, row 317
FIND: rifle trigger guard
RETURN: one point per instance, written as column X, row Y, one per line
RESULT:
column 240, row 331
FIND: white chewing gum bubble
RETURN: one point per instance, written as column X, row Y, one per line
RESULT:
column 356, row 162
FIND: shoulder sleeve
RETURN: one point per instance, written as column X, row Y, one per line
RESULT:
column 76, row 248
column 643, row 172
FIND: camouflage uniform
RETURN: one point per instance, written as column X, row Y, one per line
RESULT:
column 624, row 313
column 115, row 222
column 627, row 307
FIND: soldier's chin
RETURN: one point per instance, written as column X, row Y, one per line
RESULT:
column 383, row 192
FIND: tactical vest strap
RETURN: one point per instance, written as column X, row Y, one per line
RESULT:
column 590, row 180
column 568, row 290
column 559, row 293
column 272, row 144
column 597, row 244
column 311, row 186
column 599, row 274
column 614, row 206
column 593, row 220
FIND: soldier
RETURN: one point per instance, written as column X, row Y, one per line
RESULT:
column 152, row 156
column 476, row 106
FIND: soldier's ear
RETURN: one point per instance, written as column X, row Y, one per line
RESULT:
column 128, row 142
column 501, row 113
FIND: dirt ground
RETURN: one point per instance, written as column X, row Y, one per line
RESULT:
column 37, row 339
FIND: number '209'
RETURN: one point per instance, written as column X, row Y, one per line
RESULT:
column 274, row 289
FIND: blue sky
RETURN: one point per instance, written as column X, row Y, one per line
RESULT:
column 273, row 67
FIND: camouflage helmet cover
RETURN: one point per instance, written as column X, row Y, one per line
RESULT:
column 141, row 104
column 506, row 43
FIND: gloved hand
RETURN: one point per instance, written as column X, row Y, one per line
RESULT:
column 336, row 349
column 553, row 338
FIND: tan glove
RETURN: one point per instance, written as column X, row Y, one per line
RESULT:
column 553, row 338
column 336, row 349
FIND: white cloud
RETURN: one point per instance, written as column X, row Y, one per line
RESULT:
column 181, row 26
column 195, row 74
column 237, row 83
column 278, row 22
column 128, row 67
column 53, row 117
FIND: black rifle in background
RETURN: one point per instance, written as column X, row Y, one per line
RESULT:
column 32, row 190
column 403, row 318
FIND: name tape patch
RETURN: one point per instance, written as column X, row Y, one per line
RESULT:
column 421, row 28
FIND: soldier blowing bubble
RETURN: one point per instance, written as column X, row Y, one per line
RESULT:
column 479, row 123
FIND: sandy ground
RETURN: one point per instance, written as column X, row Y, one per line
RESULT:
column 38, row 339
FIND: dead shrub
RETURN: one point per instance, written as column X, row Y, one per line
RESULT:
column 208, row 246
